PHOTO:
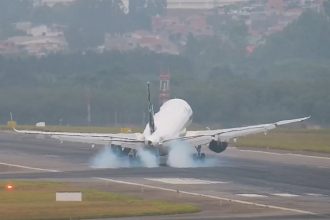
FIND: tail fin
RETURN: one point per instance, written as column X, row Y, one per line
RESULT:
column 150, row 112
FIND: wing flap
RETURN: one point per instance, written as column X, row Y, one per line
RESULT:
column 92, row 138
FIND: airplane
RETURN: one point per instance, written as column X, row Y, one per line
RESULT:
column 168, row 125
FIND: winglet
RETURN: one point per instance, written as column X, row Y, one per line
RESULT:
column 150, row 111
column 291, row 121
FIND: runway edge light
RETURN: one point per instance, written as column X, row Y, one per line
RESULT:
column 9, row 187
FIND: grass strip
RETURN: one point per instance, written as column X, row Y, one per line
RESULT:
column 31, row 200
column 314, row 140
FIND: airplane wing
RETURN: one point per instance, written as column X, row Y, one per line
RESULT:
column 125, row 139
column 134, row 140
column 224, row 135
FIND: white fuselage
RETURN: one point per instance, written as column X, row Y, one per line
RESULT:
column 170, row 122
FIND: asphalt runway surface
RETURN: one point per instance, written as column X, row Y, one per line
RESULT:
column 255, row 184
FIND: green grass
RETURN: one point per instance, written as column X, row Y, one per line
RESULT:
column 36, row 200
column 315, row 140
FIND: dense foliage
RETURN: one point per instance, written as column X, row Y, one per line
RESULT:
column 289, row 76
column 85, row 21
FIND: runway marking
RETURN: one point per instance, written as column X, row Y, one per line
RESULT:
column 208, row 196
column 315, row 194
column 289, row 154
column 251, row 195
column 183, row 181
column 27, row 167
column 285, row 195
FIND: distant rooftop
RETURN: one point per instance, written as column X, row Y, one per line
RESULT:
column 51, row 3
column 200, row 4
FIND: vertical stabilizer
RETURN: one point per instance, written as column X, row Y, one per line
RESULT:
column 150, row 112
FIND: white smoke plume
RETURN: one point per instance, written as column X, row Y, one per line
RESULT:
column 106, row 158
column 181, row 156
column 147, row 158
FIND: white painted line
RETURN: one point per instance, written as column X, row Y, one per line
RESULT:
column 285, row 195
column 301, row 155
column 209, row 196
column 183, row 181
column 289, row 154
column 251, row 195
column 27, row 167
column 315, row 194
column 262, row 152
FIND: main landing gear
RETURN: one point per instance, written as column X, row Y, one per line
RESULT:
column 120, row 151
column 148, row 157
column 199, row 156
column 126, row 153
column 133, row 157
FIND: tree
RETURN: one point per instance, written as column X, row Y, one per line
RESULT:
column 156, row 7
column 308, row 37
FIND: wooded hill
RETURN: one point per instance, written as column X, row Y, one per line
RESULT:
column 287, row 77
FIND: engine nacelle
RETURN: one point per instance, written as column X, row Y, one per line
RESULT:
column 218, row 146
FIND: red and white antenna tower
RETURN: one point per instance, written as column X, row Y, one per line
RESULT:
column 164, row 87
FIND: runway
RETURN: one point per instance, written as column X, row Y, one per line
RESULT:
column 267, row 185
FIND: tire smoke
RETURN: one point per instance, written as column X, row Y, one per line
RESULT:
column 181, row 156
column 107, row 158
column 147, row 158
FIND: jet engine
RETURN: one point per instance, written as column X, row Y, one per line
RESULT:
column 217, row 146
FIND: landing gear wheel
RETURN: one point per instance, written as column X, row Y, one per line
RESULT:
column 116, row 149
column 133, row 158
column 202, row 157
column 199, row 156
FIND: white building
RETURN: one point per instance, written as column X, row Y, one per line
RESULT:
column 200, row 4
column 51, row 3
